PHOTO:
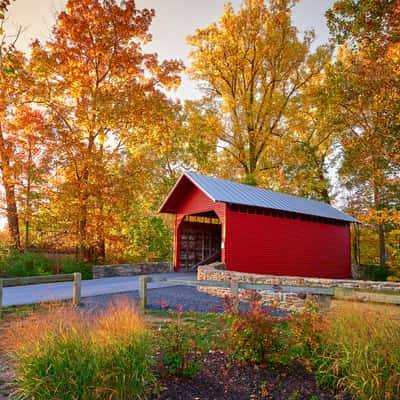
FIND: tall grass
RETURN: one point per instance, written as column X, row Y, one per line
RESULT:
column 360, row 350
column 60, row 355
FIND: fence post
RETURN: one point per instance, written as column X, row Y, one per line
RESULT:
column 1, row 295
column 142, row 291
column 76, row 292
column 235, row 295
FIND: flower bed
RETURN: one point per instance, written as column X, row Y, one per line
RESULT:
column 248, row 355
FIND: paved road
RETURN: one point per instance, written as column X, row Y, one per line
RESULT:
column 60, row 291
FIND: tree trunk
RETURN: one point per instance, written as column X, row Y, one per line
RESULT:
column 83, row 247
column 82, row 223
column 86, row 251
column 28, row 199
column 381, row 229
column 12, row 214
column 356, row 244
column 252, row 162
column 101, row 247
column 325, row 195
column 9, row 187
column 382, row 251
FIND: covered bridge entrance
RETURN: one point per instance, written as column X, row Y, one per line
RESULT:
column 200, row 240
column 256, row 230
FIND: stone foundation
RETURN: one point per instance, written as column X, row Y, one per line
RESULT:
column 288, row 301
column 108, row 271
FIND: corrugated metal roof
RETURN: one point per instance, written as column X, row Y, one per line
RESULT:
column 238, row 193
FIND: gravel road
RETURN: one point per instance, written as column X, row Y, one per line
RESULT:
column 188, row 297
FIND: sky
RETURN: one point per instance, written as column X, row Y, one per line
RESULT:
column 174, row 21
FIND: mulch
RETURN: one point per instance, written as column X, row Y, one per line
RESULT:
column 216, row 381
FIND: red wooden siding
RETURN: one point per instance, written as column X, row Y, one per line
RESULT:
column 195, row 202
column 281, row 246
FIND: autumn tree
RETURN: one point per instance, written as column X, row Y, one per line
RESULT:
column 200, row 131
column 32, row 162
column 253, row 63
column 365, row 82
column 4, row 4
column 308, row 151
column 23, row 144
column 103, row 96
column 364, row 22
column 12, row 76
column 148, row 170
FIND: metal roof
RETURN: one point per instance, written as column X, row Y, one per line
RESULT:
column 238, row 193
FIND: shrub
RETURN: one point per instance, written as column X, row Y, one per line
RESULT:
column 15, row 263
column 303, row 331
column 256, row 336
column 253, row 337
column 62, row 355
column 360, row 350
column 69, row 265
column 150, row 239
column 181, row 346
column 375, row 272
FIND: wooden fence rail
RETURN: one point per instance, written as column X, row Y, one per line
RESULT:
column 377, row 296
column 76, row 279
column 35, row 280
column 374, row 296
column 357, row 294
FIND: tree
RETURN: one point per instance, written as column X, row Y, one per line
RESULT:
column 103, row 97
column 361, row 22
column 369, row 109
column 200, row 131
column 253, row 64
column 365, row 82
column 4, row 4
column 12, row 78
column 31, row 136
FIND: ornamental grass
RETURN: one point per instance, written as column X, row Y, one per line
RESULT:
column 360, row 350
column 62, row 355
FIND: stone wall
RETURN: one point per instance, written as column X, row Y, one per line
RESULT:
column 289, row 301
column 107, row 271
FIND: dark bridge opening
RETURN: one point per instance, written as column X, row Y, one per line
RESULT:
column 200, row 240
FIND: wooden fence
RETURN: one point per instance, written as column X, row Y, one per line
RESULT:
column 377, row 296
column 76, row 279
column 326, row 294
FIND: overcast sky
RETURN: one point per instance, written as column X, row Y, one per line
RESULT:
column 174, row 21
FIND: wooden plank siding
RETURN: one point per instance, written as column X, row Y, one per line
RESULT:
column 281, row 245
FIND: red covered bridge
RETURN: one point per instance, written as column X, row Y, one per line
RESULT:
column 256, row 230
